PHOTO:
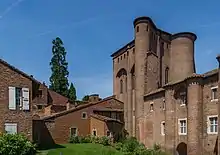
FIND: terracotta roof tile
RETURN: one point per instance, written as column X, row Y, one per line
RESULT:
column 58, row 99
column 104, row 118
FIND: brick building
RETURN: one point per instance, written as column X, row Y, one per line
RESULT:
column 22, row 97
column 98, row 118
column 165, row 101
column 46, row 117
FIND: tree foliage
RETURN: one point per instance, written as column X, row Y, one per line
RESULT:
column 72, row 93
column 59, row 68
column 85, row 98
column 16, row 144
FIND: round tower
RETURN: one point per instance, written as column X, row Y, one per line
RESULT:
column 182, row 62
column 141, row 32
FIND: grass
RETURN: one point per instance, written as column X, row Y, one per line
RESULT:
column 82, row 149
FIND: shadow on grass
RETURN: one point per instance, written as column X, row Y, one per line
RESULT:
column 49, row 147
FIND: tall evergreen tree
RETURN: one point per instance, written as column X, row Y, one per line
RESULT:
column 72, row 93
column 59, row 67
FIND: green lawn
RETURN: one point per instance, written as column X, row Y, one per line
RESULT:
column 82, row 149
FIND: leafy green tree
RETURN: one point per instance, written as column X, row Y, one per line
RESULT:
column 59, row 68
column 72, row 93
column 86, row 98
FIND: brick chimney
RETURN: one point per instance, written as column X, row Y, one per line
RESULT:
column 94, row 98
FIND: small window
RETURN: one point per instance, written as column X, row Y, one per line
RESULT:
column 212, row 125
column 214, row 93
column 127, row 53
column 108, row 133
column 84, row 115
column 118, row 59
column 133, row 50
column 73, row 132
column 162, row 128
column 39, row 107
column 137, row 29
column 182, row 98
column 40, row 93
column 147, row 28
column 121, row 86
column 182, row 126
column 94, row 132
column 166, row 75
column 11, row 128
column 164, row 104
column 151, row 107
column 124, row 55
column 167, row 45
column 113, row 115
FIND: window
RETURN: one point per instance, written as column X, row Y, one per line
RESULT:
column 182, row 126
column 39, row 106
column 182, row 98
column 137, row 29
column 11, row 128
column 121, row 86
column 133, row 50
column 118, row 59
column 151, row 107
column 84, row 115
column 214, row 93
column 40, row 93
column 124, row 55
column 147, row 28
column 133, row 81
column 113, row 115
column 212, row 124
column 18, row 98
column 73, row 132
column 126, row 84
column 121, row 57
column 166, row 75
column 162, row 128
column 164, row 104
column 94, row 132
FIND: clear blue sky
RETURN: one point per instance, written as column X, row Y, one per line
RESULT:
column 93, row 29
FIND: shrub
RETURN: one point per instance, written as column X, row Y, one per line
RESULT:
column 118, row 146
column 130, row 144
column 16, row 144
column 86, row 139
column 104, row 141
column 74, row 139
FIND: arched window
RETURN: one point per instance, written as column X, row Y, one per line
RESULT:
column 166, row 75
column 121, row 86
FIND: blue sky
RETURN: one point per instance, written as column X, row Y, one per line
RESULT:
column 93, row 29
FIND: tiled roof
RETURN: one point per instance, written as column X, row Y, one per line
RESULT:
column 109, row 109
column 57, row 99
column 76, row 108
column 104, row 118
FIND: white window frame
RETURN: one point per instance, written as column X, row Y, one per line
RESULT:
column 162, row 128
column 179, row 126
column 212, row 95
column 209, row 124
column 12, row 124
column 76, row 131
column 151, row 105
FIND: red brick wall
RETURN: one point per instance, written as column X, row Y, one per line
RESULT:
column 23, row 119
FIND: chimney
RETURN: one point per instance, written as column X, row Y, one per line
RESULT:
column 94, row 98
